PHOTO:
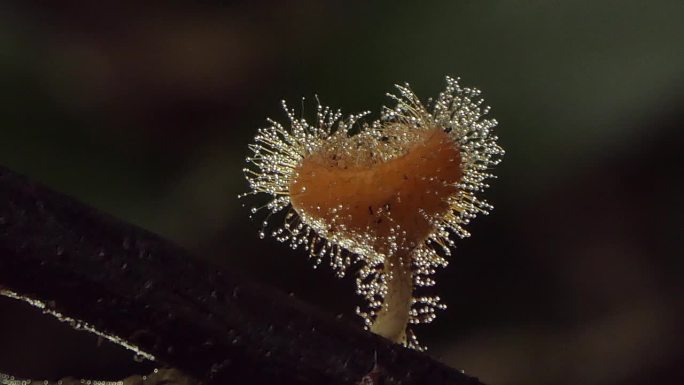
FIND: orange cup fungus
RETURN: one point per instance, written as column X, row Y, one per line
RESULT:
column 389, row 196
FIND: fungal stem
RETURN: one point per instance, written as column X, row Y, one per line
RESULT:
column 393, row 317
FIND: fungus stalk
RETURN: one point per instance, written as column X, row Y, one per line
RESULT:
column 389, row 198
column 393, row 317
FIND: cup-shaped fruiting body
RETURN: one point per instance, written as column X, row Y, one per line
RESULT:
column 378, row 199
column 389, row 196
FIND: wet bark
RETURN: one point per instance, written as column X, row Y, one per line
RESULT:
column 118, row 280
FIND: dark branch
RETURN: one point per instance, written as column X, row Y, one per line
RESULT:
column 132, row 285
column 163, row 376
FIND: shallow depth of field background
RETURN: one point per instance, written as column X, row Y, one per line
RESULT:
column 575, row 278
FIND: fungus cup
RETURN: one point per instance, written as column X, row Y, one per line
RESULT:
column 390, row 197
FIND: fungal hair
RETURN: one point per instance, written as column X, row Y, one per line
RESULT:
column 388, row 196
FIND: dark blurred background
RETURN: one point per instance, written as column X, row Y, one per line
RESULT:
column 576, row 278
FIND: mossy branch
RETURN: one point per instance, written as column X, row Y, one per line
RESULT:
column 162, row 376
column 139, row 290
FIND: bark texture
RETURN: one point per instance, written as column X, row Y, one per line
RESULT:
column 140, row 290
